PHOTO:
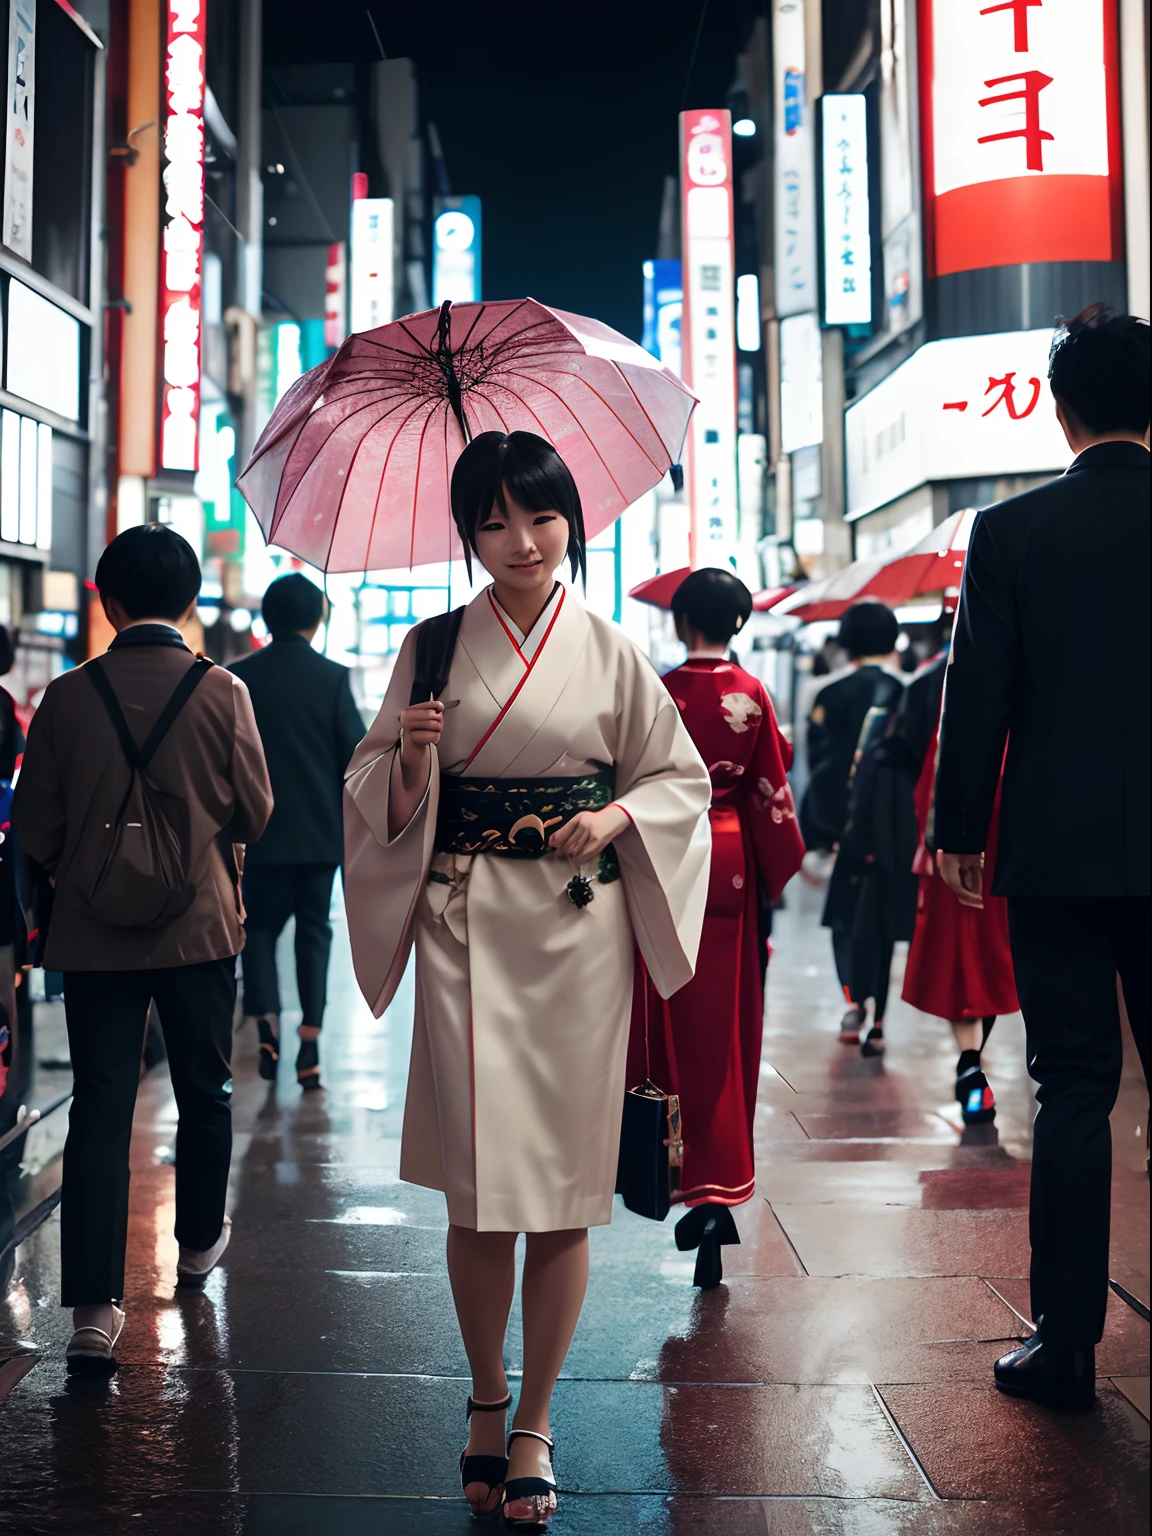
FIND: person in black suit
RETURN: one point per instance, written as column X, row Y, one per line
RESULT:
column 310, row 727
column 1070, row 699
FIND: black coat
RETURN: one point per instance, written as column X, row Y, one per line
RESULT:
column 1050, row 654
column 310, row 727
column 834, row 726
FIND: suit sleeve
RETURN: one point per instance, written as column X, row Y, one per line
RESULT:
column 38, row 812
column 349, row 725
column 251, row 789
column 978, row 694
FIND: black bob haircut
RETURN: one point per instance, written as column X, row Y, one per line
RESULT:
column 868, row 628
column 528, row 469
column 714, row 603
column 292, row 603
column 1098, row 367
column 151, row 571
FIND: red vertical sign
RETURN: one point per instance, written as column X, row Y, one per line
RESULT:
column 182, row 256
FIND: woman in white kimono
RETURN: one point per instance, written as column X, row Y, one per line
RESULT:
column 526, row 830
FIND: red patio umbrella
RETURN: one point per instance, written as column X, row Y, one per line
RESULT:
column 658, row 591
column 771, row 597
column 353, row 470
column 934, row 564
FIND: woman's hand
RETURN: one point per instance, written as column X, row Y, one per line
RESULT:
column 588, row 833
column 420, row 728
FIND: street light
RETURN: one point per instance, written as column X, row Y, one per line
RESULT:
column 744, row 128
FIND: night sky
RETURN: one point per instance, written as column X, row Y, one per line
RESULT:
column 561, row 116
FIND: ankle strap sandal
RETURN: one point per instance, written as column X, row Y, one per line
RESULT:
column 489, row 1470
column 538, row 1490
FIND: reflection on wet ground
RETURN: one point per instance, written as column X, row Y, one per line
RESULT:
column 839, row 1381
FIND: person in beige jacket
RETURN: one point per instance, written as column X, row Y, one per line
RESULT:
column 71, row 790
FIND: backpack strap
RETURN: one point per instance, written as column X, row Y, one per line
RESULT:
column 435, row 645
column 140, row 757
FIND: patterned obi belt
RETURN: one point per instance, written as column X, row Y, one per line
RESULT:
column 514, row 818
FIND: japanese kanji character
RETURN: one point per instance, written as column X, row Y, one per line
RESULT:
column 1032, row 133
column 1007, row 396
column 1019, row 9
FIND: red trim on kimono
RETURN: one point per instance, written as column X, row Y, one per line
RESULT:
column 476, row 750
column 500, row 620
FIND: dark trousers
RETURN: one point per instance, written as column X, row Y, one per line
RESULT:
column 863, row 966
column 1067, row 954
column 107, row 1012
column 272, row 894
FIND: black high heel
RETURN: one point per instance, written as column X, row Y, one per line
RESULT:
column 308, row 1065
column 706, row 1228
column 269, row 1050
column 544, row 1495
column 489, row 1470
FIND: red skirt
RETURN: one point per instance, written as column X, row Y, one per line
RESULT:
column 959, row 963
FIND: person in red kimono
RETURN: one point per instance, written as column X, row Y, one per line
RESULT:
column 704, row 1042
column 959, row 963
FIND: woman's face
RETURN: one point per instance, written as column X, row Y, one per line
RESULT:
column 522, row 549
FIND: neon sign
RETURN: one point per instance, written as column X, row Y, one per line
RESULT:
column 183, row 237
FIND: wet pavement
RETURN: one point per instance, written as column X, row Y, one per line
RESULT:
column 838, row 1382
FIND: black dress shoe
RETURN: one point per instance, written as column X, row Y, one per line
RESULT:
column 1063, row 1379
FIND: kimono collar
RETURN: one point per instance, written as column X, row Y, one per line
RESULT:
column 528, row 644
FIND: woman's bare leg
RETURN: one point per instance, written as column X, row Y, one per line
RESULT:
column 482, row 1270
column 555, row 1280
column 969, row 1034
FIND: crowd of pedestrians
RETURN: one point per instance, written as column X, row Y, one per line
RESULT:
column 583, row 858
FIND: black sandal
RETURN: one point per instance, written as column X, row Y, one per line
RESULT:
column 489, row 1470
column 269, row 1050
column 542, row 1493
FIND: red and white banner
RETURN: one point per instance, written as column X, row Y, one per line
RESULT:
column 182, row 257
column 708, row 331
column 336, row 295
column 1020, row 118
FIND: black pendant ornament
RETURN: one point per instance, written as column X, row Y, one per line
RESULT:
column 579, row 890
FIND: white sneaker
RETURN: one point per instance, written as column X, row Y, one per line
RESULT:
column 193, row 1268
column 90, row 1350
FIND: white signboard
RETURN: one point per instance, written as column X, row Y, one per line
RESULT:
column 795, row 175
column 801, row 383
column 373, row 295
column 1018, row 90
column 847, row 228
column 17, row 233
column 708, row 333
column 957, row 409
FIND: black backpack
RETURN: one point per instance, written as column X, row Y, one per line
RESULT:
column 137, row 872
column 435, row 644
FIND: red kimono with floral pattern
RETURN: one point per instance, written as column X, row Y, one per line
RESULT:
column 704, row 1042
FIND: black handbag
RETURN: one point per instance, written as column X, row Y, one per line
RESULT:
column 651, row 1145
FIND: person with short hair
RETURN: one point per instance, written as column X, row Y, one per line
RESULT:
column 526, row 831
column 1072, row 859
column 310, row 727
column 704, row 1042
column 868, row 631
column 206, row 778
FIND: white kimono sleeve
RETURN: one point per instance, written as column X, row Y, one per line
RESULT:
column 663, row 786
column 383, row 878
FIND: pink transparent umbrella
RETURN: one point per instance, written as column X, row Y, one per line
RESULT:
column 352, row 472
